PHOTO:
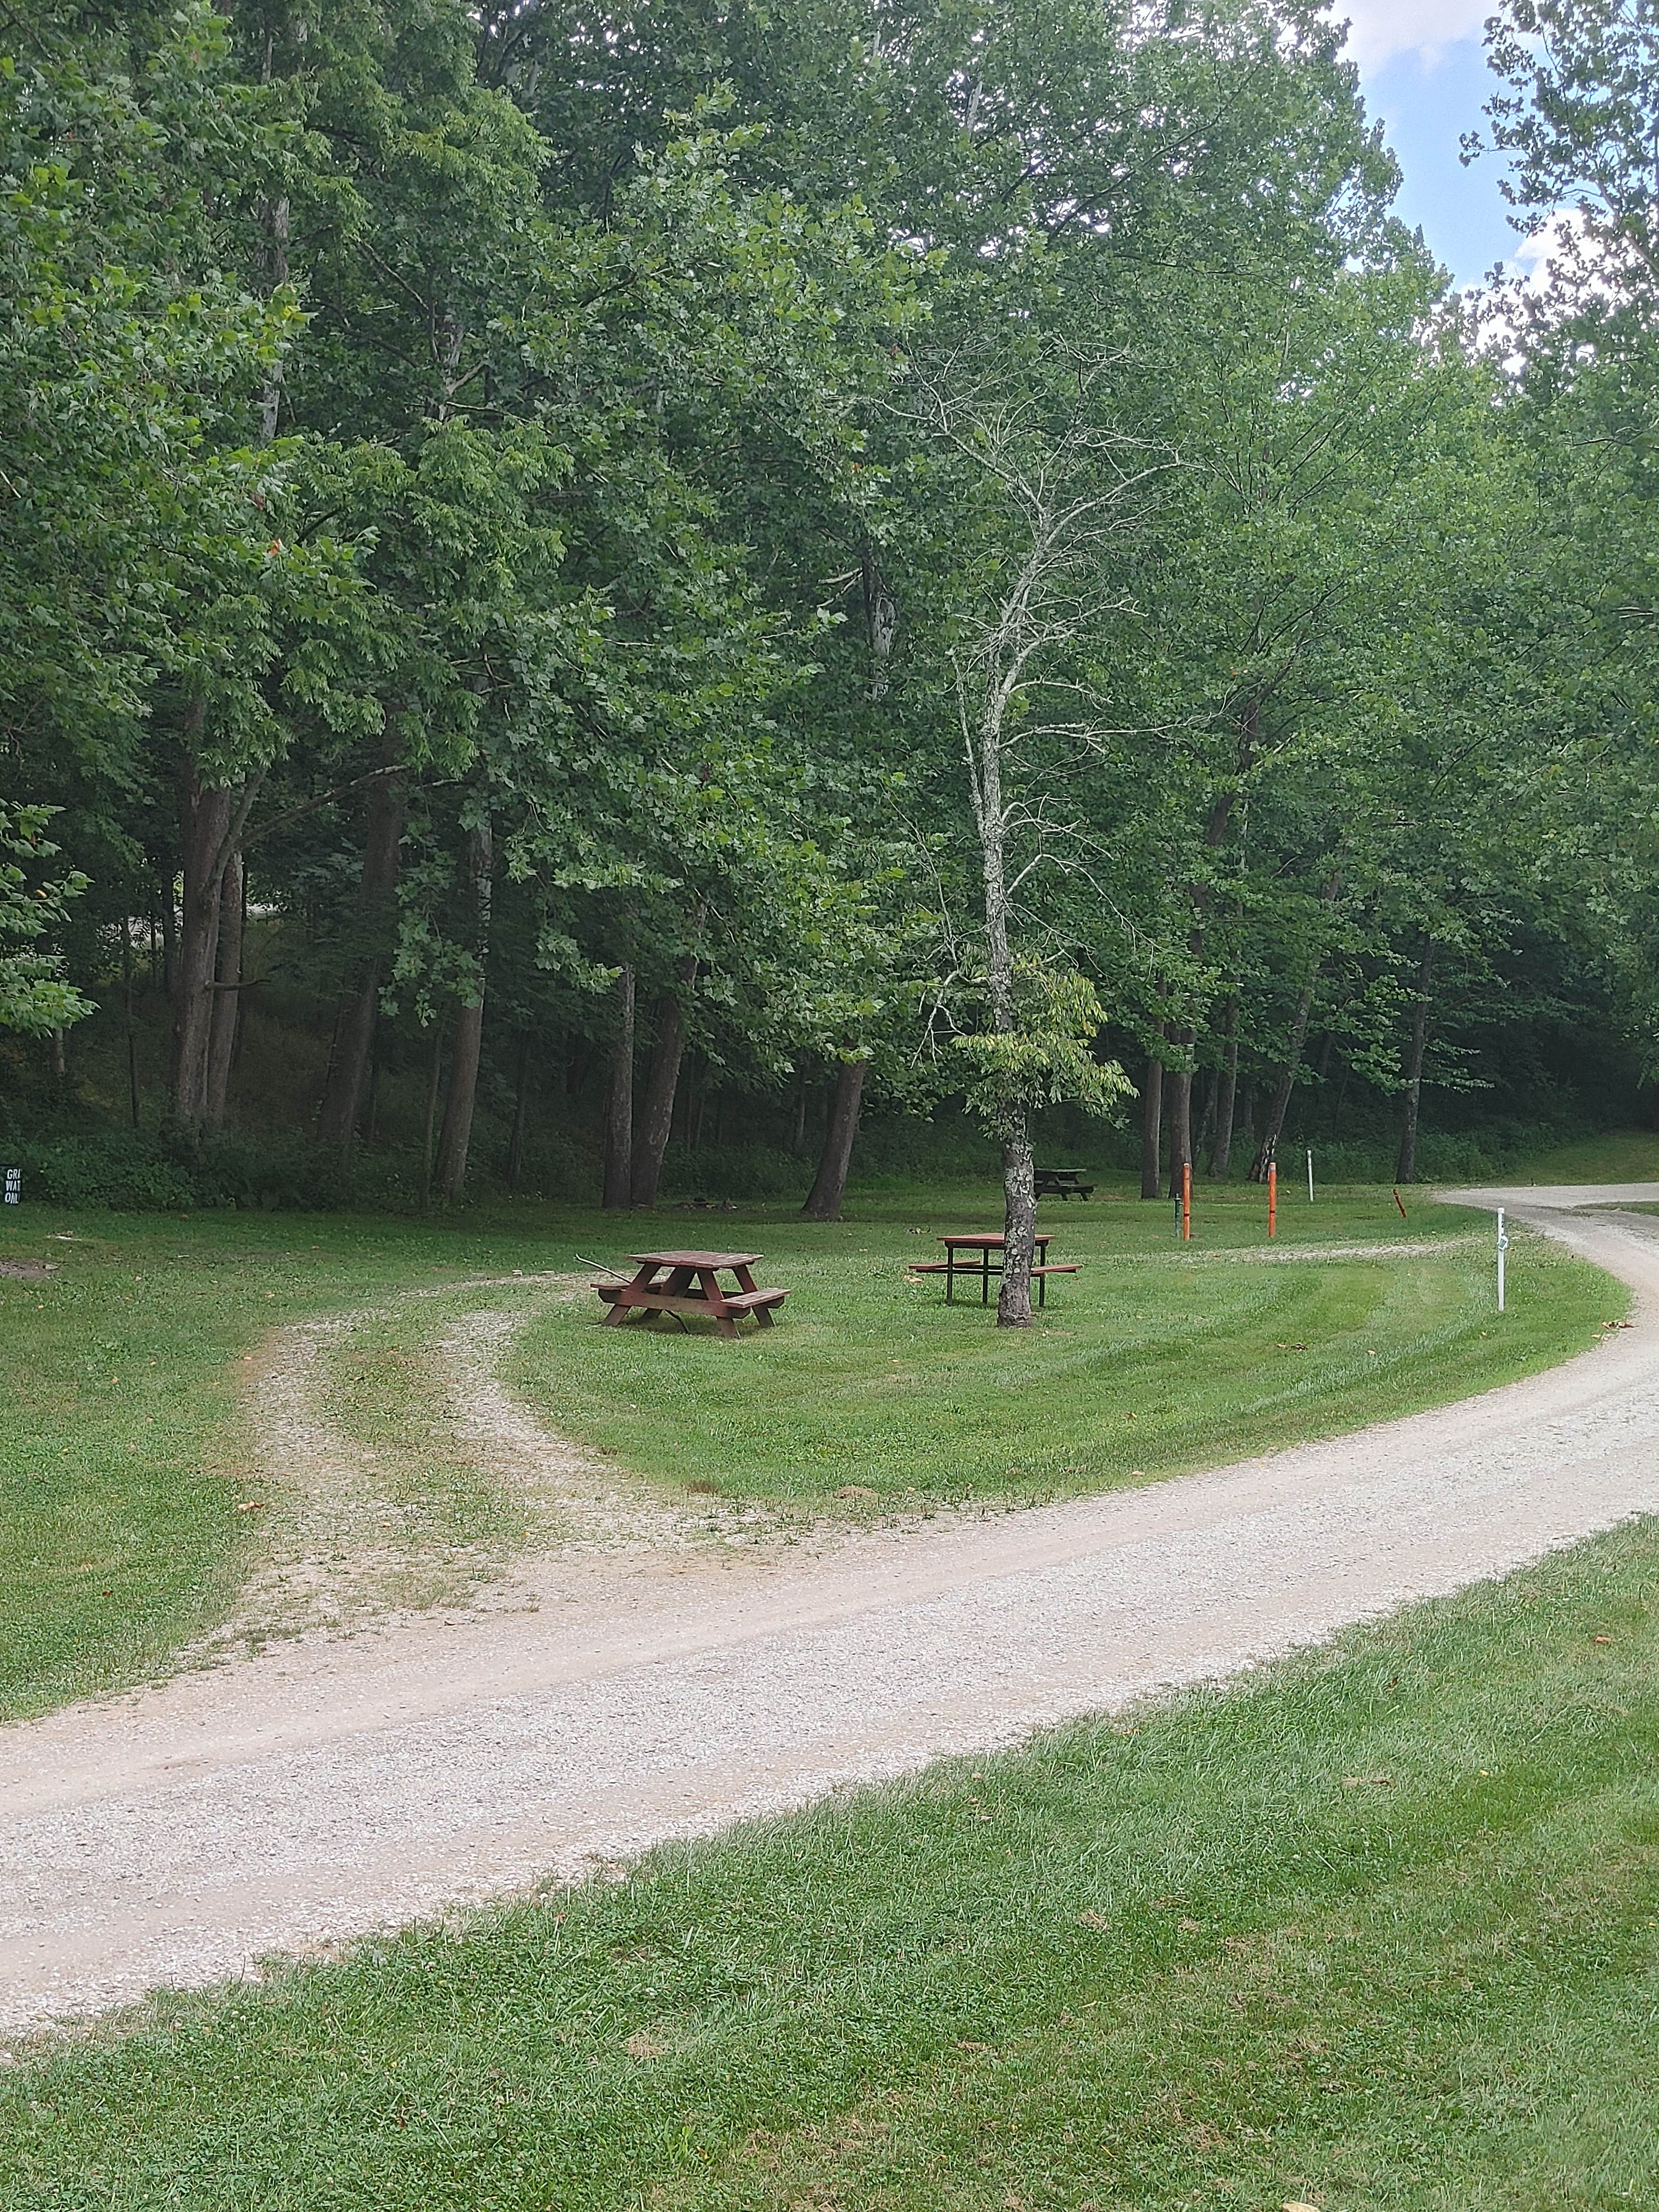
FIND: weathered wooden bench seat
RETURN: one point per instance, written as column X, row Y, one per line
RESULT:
column 735, row 1301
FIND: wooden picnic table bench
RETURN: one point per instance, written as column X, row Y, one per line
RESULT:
column 971, row 1256
column 687, row 1283
column 1062, row 1183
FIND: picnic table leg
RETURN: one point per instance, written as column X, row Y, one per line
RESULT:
column 708, row 1287
column 620, row 1308
column 950, row 1274
column 985, row 1276
column 746, row 1282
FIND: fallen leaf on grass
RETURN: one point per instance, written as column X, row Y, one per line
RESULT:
column 1601, row 1639
column 251, row 1505
column 1295, row 2207
column 1368, row 1782
column 1090, row 1919
column 644, row 2047
column 1290, row 1347
column 856, row 1489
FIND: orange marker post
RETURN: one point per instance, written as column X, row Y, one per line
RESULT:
column 1186, row 1202
column 1273, row 1199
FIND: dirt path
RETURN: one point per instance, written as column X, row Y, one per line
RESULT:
column 326, row 1787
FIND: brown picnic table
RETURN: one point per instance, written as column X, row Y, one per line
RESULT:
column 686, row 1283
column 1061, row 1182
column 971, row 1256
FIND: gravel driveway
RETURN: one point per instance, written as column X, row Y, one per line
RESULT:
column 327, row 1788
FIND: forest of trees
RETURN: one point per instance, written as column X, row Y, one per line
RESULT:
column 582, row 587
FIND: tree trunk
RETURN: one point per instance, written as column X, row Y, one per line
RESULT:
column 1204, row 1136
column 1178, row 1092
column 651, row 1139
column 205, row 819
column 1274, row 1124
column 227, row 993
column 337, row 1123
column 132, row 1032
column 469, row 1028
column 619, row 1106
column 433, row 1078
column 829, row 1184
column 1018, row 1229
column 169, row 940
column 460, row 1102
column 1152, row 1131
column 520, row 1098
column 1406, row 1166
column 1226, row 1098
column 798, row 1132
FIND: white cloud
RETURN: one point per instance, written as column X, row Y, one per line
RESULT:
column 1382, row 30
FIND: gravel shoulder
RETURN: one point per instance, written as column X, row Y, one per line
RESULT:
column 324, row 1787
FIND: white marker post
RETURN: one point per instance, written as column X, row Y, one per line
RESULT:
column 1502, row 1247
column 1311, row 1175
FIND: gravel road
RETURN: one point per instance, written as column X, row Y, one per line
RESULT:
column 329, row 1787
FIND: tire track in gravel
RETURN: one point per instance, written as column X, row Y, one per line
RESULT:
column 326, row 1788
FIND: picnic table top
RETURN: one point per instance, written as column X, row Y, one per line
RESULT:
column 983, row 1240
column 695, row 1259
column 1072, row 1175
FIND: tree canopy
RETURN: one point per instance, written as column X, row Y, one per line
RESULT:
column 929, row 556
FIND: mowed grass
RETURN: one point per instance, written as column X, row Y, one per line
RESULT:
column 1615, row 1156
column 123, row 1453
column 1154, row 1358
column 123, row 1447
column 1376, row 1930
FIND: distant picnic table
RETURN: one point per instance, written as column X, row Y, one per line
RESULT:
column 971, row 1256
column 1062, row 1183
column 686, row 1283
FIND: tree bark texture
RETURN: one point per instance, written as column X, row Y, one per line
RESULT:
column 227, row 993
column 469, row 1026
column 1406, row 1166
column 337, row 1124
column 1151, row 1130
column 205, row 820
column 829, row 1184
column 650, row 1136
column 619, row 1106
column 1018, row 1229
column 1226, row 1098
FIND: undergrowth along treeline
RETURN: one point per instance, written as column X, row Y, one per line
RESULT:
column 636, row 587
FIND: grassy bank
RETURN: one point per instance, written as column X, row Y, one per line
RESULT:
column 123, row 1459
column 1375, row 1929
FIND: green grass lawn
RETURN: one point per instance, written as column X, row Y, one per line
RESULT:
column 1616, row 1156
column 1154, row 1358
column 123, row 1459
column 1376, row 1930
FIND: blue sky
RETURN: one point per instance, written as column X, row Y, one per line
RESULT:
column 1424, row 72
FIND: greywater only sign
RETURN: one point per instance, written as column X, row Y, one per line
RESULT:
column 14, row 1186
